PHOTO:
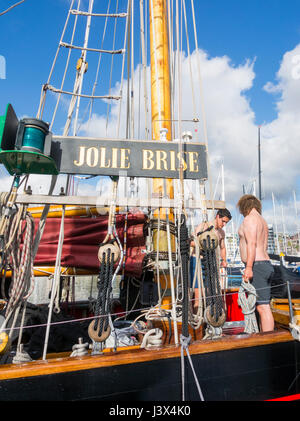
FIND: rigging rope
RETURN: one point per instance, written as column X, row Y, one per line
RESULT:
column 144, row 64
column 185, row 347
column 109, row 253
column 214, row 314
column 55, row 282
column 184, row 273
column 185, row 338
column 15, row 226
column 11, row 7
column 43, row 93
column 121, row 314
column 198, row 277
column 111, row 69
column 123, row 67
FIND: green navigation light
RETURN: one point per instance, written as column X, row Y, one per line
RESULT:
column 22, row 145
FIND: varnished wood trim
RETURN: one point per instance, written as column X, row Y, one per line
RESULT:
column 133, row 356
column 285, row 301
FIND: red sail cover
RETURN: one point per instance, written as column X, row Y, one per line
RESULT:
column 82, row 237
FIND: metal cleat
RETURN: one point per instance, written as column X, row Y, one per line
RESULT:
column 97, row 348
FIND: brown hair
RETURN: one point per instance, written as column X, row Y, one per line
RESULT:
column 224, row 212
column 247, row 203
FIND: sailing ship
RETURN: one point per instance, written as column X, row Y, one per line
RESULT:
column 151, row 343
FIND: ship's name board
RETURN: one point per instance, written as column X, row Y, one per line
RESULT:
column 75, row 155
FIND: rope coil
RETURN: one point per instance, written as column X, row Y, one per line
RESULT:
column 79, row 349
column 152, row 339
column 21, row 261
column 247, row 301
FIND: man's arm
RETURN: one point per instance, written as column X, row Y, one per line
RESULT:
column 223, row 253
column 250, row 232
column 199, row 228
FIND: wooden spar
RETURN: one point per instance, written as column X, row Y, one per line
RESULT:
column 56, row 211
column 160, row 99
column 104, row 202
column 42, row 271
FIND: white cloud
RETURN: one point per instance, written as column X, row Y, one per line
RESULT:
column 281, row 143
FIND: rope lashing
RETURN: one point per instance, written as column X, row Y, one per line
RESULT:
column 15, row 226
column 21, row 356
column 214, row 313
column 162, row 225
column 247, row 301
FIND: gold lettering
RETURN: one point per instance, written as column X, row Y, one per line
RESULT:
column 102, row 160
column 147, row 157
column 172, row 161
column 160, row 159
column 114, row 158
column 81, row 156
column 92, row 155
column 193, row 161
column 182, row 161
column 124, row 158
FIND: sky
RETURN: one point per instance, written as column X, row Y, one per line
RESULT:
column 250, row 68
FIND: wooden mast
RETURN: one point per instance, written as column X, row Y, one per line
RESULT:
column 160, row 98
column 160, row 69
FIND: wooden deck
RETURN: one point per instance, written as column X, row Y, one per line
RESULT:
column 281, row 312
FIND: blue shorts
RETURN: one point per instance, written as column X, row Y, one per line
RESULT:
column 262, row 273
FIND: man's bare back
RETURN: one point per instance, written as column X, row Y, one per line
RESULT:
column 253, row 234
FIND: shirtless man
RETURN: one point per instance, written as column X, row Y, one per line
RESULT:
column 223, row 216
column 253, row 234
